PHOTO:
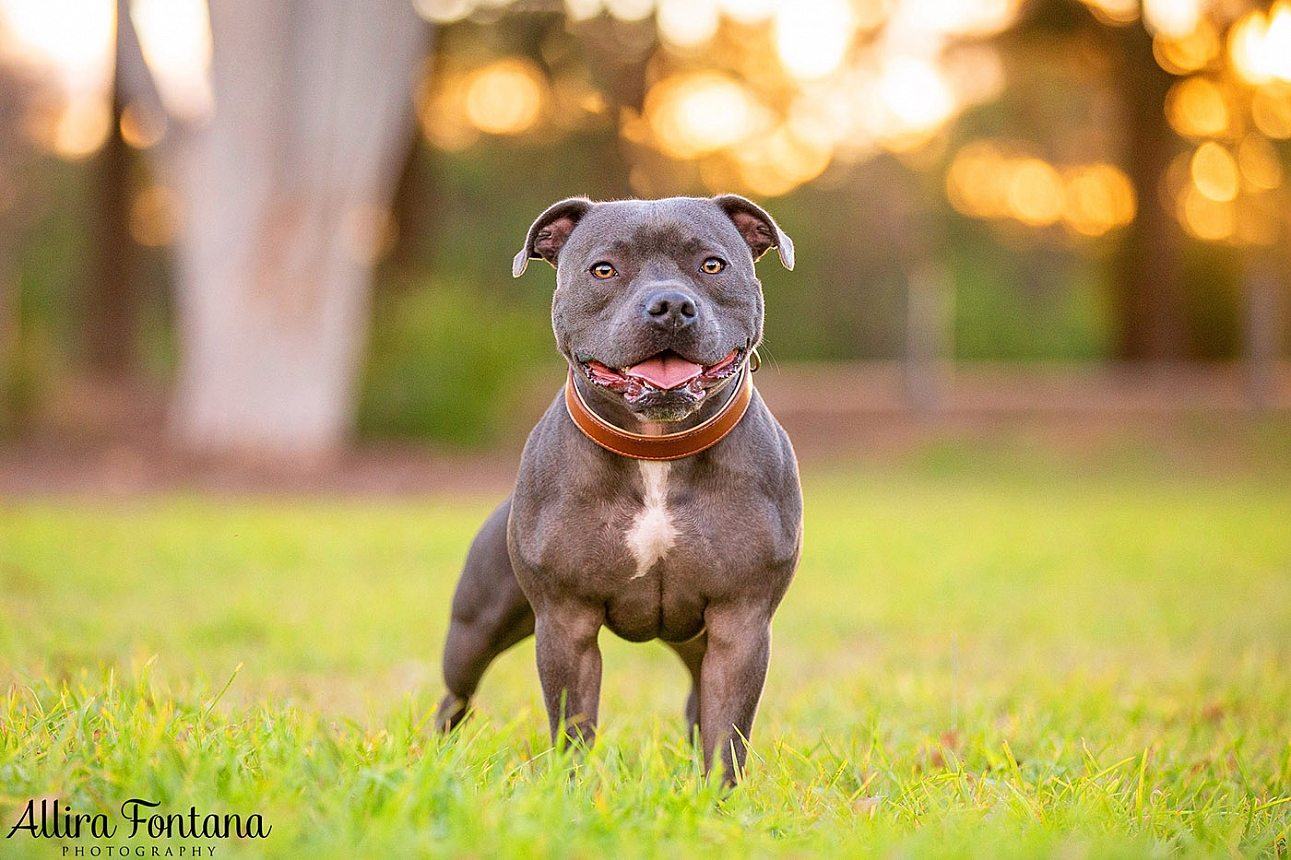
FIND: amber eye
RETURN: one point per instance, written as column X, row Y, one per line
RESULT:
column 601, row 271
column 712, row 266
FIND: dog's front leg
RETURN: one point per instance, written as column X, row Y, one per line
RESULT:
column 569, row 666
column 733, row 673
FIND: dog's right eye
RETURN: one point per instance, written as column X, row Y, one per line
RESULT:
column 601, row 271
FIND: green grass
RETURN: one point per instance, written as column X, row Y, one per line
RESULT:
column 973, row 662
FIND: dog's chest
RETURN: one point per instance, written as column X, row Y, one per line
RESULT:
column 659, row 592
column 653, row 532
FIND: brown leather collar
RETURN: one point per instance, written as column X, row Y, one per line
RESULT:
column 670, row 446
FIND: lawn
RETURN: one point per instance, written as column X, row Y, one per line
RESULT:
column 974, row 661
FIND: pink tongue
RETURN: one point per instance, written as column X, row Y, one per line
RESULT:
column 666, row 371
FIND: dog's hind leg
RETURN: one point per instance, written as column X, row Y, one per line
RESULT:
column 490, row 614
column 691, row 653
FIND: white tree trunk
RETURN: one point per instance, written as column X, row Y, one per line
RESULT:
column 313, row 118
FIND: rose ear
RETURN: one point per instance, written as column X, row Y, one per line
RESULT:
column 758, row 228
column 550, row 232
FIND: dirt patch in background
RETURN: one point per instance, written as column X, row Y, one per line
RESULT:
column 106, row 440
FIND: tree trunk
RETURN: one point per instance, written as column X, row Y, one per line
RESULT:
column 110, row 316
column 15, row 97
column 312, row 123
column 1148, row 271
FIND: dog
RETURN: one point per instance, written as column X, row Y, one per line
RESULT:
column 657, row 496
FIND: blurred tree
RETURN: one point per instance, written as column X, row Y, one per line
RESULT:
column 1147, row 271
column 849, row 116
column 11, row 113
column 109, row 322
column 287, row 187
column 16, row 95
column 1203, row 182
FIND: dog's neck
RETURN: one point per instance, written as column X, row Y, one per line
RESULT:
column 629, row 436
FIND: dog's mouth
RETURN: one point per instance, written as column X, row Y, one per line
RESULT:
column 662, row 372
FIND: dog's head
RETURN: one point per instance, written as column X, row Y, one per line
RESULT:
column 656, row 303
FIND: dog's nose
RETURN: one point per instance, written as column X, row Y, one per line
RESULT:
column 671, row 308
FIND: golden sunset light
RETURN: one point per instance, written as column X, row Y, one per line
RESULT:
column 846, row 79
column 70, row 38
column 71, row 44
column 505, row 97
column 1260, row 44
column 176, row 39
column 998, row 181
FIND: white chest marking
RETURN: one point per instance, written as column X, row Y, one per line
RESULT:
column 652, row 533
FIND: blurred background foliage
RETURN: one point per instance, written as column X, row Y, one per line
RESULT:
column 1080, row 180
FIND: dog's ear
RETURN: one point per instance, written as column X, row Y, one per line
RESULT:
column 758, row 228
column 550, row 232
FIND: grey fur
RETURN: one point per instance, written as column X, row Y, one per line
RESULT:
column 554, row 558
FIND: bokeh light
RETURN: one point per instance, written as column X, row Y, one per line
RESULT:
column 1271, row 111
column 1000, row 182
column 444, row 11
column 1260, row 45
column 1214, row 172
column 1197, row 107
column 1189, row 52
column 917, row 98
column 1035, row 193
column 505, row 97
column 812, row 36
column 971, row 18
column 1114, row 12
column 1233, row 105
column 976, row 184
column 1259, row 164
column 441, row 110
column 1173, row 19
column 141, row 126
column 748, row 11
column 765, row 95
column 1206, row 218
column 687, row 23
column 700, row 113
column 581, row 10
column 629, row 10
column 778, row 163
column 1098, row 198
column 82, row 126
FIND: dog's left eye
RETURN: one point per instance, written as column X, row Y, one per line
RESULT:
column 713, row 265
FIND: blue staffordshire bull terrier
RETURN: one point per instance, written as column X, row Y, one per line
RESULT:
column 657, row 496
